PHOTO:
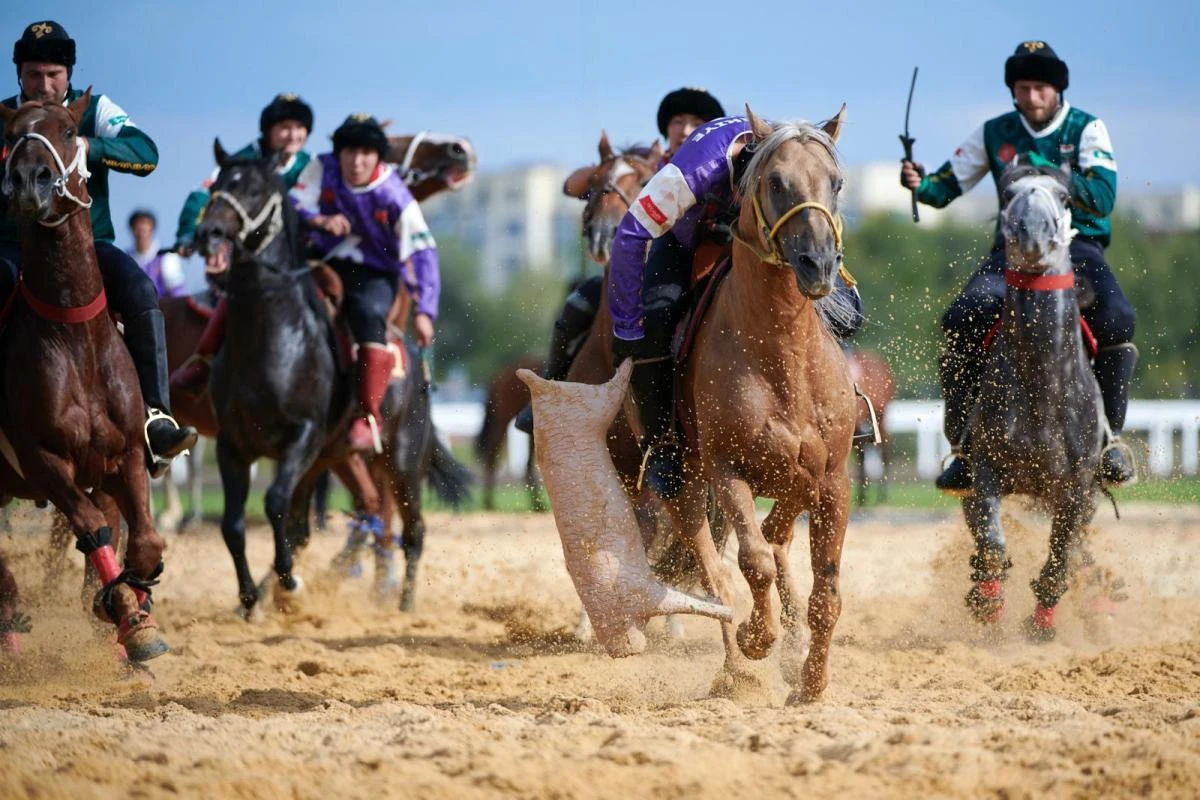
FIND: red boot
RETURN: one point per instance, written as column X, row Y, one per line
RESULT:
column 374, row 371
column 192, row 375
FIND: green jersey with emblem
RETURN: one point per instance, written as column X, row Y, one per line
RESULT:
column 114, row 144
column 1074, row 140
column 193, row 208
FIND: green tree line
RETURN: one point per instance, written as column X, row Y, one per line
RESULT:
column 907, row 274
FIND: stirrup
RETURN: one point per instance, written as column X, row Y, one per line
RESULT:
column 153, row 415
column 376, row 439
column 641, row 478
column 1119, row 445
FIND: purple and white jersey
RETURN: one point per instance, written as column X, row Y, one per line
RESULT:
column 703, row 166
column 386, row 226
column 164, row 269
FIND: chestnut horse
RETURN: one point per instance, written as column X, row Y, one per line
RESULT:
column 430, row 163
column 506, row 396
column 72, row 418
column 772, row 405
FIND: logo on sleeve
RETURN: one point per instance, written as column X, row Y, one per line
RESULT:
column 652, row 211
column 118, row 120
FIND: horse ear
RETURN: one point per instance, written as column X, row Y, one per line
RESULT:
column 78, row 108
column 760, row 129
column 655, row 152
column 606, row 151
column 219, row 153
column 834, row 126
column 387, row 123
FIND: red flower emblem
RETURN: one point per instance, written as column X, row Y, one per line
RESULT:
column 1007, row 152
column 381, row 215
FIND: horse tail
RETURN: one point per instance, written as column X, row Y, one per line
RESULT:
column 449, row 478
column 484, row 437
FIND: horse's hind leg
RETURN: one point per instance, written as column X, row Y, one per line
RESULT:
column 12, row 622
column 235, row 480
column 688, row 513
column 195, row 483
column 297, row 459
column 827, row 532
column 756, row 635
column 778, row 529
column 412, row 537
column 1070, row 515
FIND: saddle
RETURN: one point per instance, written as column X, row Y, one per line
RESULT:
column 332, row 292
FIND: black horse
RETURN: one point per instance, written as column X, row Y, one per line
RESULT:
column 277, row 387
column 411, row 453
column 1038, row 426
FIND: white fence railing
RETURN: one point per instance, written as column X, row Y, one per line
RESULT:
column 1160, row 420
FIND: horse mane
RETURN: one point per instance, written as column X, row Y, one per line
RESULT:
column 834, row 310
column 637, row 150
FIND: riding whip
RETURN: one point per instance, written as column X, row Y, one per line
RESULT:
column 907, row 141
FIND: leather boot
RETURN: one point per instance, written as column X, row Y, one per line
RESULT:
column 375, row 363
column 146, row 338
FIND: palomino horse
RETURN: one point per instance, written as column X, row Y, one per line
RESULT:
column 772, row 403
column 430, row 163
column 506, row 396
column 1038, row 427
column 279, row 393
column 72, row 418
column 873, row 377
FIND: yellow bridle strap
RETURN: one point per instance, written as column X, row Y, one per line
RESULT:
column 772, row 255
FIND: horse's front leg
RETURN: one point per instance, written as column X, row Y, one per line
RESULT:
column 779, row 530
column 1071, row 513
column 756, row 635
column 235, row 481
column 12, row 622
column 298, row 458
column 130, row 492
column 990, row 562
column 827, row 532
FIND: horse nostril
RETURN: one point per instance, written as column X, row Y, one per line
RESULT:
column 16, row 179
column 44, row 175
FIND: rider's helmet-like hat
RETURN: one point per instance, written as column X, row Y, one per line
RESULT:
column 285, row 106
column 688, row 100
column 361, row 130
column 45, row 41
column 1036, row 61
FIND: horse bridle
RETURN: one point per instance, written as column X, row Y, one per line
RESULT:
column 773, row 254
column 271, row 214
column 60, row 185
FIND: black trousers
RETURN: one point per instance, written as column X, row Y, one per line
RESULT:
column 369, row 296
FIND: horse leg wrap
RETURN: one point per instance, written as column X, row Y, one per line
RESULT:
column 1043, row 616
column 105, row 603
column 986, row 599
column 98, row 549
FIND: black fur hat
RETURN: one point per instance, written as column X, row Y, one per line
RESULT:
column 285, row 106
column 688, row 100
column 1036, row 61
column 361, row 130
column 45, row 41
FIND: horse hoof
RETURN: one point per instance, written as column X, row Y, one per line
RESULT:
column 1038, row 627
column 287, row 601
column 408, row 600
column 139, row 636
column 805, row 696
column 754, row 644
column 986, row 602
column 10, row 644
column 252, row 614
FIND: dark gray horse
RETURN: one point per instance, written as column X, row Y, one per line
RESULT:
column 276, row 387
column 411, row 452
column 1038, row 426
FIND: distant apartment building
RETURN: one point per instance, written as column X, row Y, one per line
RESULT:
column 515, row 220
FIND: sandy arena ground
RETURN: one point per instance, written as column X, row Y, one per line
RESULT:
column 483, row 693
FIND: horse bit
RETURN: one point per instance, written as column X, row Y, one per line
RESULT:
column 60, row 187
column 774, row 254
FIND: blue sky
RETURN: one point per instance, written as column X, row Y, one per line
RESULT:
column 534, row 81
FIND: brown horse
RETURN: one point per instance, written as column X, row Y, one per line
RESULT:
column 506, row 396
column 72, row 415
column 873, row 377
column 429, row 163
column 772, row 406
